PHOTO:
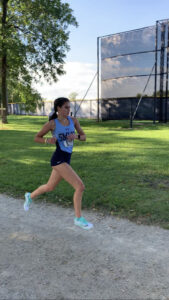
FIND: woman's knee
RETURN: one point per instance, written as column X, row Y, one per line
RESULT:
column 49, row 188
column 80, row 186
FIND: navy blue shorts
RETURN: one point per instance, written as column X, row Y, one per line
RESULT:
column 60, row 157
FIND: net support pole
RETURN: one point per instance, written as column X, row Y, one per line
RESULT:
column 167, row 64
column 137, row 106
column 131, row 114
column 155, row 77
column 161, row 106
column 76, row 110
column 98, row 82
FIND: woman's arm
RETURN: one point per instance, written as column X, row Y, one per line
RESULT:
column 39, row 138
column 81, row 135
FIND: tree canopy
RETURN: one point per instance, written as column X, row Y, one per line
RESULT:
column 33, row 40
column 73, row 96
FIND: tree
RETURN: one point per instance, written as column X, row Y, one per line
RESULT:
column 73, row 96
column 33, row 41
column 26, row 95
column 141, row 95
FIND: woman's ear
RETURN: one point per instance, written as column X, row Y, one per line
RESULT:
column 58, row 109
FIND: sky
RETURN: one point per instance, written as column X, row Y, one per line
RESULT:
column 98, row 18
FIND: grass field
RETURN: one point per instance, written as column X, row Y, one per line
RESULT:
column 126, row 172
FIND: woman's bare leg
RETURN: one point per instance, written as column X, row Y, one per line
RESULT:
column 53, row 181
column 68, row 174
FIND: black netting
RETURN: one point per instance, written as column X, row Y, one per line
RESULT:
column 127, row 87
column 128, row 42
column 128, row 65
column 127, row 61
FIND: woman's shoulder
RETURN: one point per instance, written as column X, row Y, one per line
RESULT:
column 52, row 124
column 73, row 119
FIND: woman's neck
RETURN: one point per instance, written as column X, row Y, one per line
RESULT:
column 61, row 118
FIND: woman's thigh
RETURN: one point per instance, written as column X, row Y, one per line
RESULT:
column 68, row 174
column 54, row 179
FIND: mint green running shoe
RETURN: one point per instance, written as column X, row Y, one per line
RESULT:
column 27, row 202
column 82, row 222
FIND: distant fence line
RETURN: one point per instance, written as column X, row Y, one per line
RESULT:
column 85, row 109
column 110, row 109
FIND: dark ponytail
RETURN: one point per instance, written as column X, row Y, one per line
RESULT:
column 58, row 102
column 53, row 116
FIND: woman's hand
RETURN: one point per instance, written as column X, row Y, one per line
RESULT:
column 51, row 140
column 72, row 137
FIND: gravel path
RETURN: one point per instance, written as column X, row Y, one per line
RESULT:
column 44, row 256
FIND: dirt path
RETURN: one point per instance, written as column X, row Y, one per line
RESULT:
column 44, row 256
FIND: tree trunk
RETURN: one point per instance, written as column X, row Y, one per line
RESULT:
column 4, row 112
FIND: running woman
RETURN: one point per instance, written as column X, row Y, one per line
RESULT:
column 63, row 128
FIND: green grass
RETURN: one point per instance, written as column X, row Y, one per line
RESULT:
column 126, row 172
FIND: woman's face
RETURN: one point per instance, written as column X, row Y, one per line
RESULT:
column 64, row 110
